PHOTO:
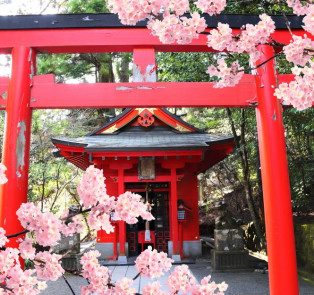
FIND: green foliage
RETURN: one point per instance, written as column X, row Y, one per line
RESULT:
column 255, row 7
column 48, row 175
column 299, row 128
column 86, row 6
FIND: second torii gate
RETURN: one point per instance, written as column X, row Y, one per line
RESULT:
column 25, row 36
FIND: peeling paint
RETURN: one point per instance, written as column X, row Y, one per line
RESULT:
column 275, row 116
column 33, row 99
column 87, row 19
column 149, row 76
column 123, row 88
column 253, row 103
column 144, row 87
column 20, row 148
column 4, row 95
column 30, row 59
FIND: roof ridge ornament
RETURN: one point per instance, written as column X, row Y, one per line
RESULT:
column 146, row 118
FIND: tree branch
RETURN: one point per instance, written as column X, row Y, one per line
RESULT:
column 67, row 282
column 285, row 17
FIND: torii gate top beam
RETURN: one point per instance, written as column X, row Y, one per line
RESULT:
column 104, row 33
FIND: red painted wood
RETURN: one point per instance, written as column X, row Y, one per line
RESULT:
column 4, row 85
column 122, row 224
column 283, row 278
column 105, row 40
column 142, row 58
column 141, row 239
column 16, row 146
column 174, row 209
column 163, row 116
column 47, row 95
column 188, row 192
column 121, row 122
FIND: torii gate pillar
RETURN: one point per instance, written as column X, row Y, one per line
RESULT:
column 283, row 278
column 17, row 140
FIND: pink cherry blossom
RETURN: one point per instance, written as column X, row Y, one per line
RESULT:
column 24, row 282
column 223, row 39
column 98, row 219
column 129, row 206
column 153, row 289
column 26, row 248
column 152, row 264
column 74, row 226
column 300, row 92
column 295, row 51
column 298, row 7
column 48, row 266
column 229, row 77
column 211, row 6
column 3, row 178
column 3, row 238
column 8, row 258
column 45, row 225
column 98, row 276
column 92, row 187
column 123, row 286
column 181, row 279
column 308, row 20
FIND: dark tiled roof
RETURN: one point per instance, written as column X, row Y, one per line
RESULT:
column 135, row 141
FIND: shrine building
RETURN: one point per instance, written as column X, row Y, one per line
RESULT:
column 154, row 153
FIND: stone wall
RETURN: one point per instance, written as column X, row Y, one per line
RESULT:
column 304, row 242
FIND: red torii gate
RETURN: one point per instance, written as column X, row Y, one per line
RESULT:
column 24, row 36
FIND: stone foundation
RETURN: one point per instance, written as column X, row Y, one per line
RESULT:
column 229, row 253
column 230, row 260
column 106, row 249
column 193, row 249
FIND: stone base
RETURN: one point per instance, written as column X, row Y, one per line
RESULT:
column 229, row 239
column 106, row 249
column 72, row 262
column 230, row 260
column 176, row 258
column 192, row 249
column 122, row 260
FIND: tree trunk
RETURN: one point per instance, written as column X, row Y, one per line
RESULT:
column 246, row 174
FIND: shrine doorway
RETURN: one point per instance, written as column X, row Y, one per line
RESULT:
column 155, row 233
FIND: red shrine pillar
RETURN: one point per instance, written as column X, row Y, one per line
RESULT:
column 174, row 216
column 283, row 278
column 17, row 140
column 122, row 224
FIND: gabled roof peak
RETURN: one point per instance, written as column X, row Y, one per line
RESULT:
column 145, row 118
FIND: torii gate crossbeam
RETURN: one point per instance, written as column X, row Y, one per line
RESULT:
column 24, row 92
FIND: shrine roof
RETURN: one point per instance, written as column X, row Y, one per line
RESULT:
column 127, row 132
column 141, row 141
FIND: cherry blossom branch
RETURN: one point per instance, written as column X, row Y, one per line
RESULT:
column 67, row 282
column 18, row 234
column 5, row 288
column 69, row 250
column 261, row 64
column 285, row 17
column 137, row 276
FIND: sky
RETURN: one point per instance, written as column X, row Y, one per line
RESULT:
column 13, row 7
